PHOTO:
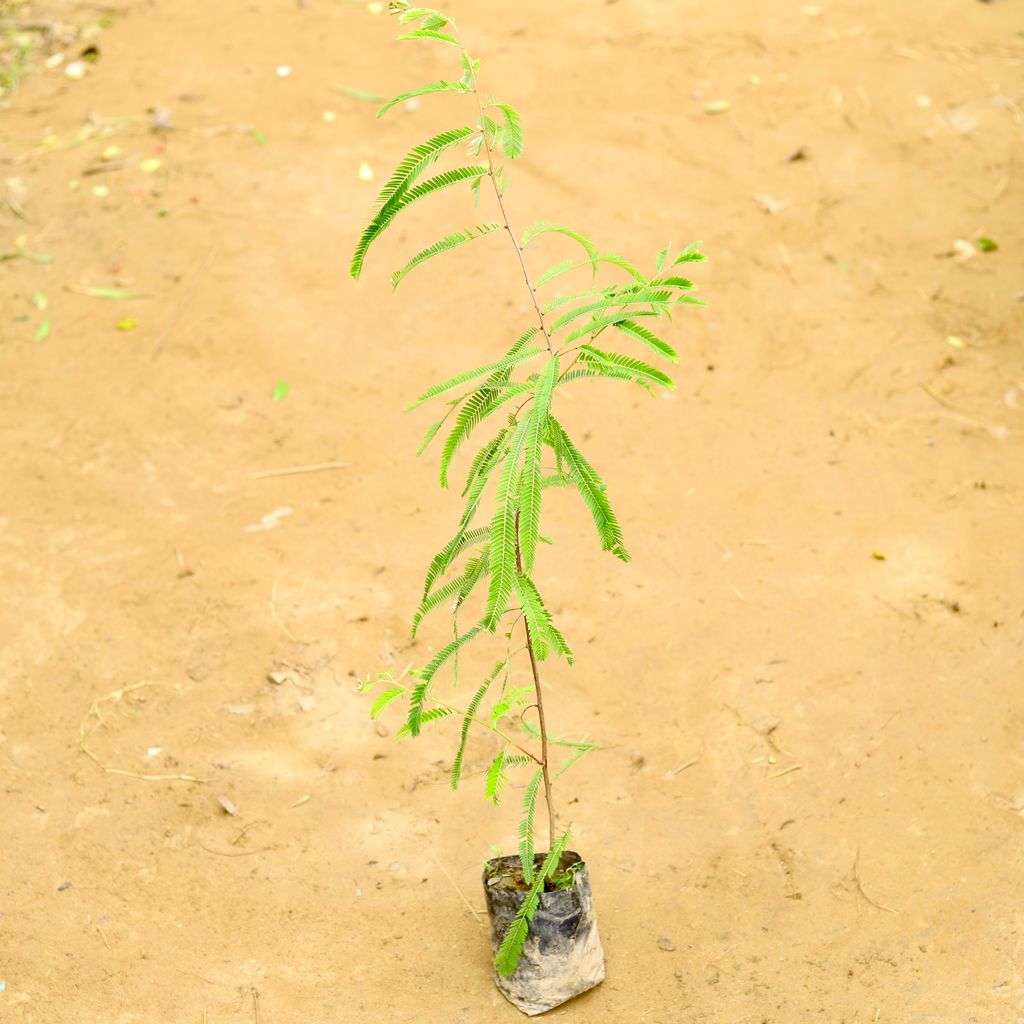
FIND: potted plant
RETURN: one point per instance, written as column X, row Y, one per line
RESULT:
column 543, row 928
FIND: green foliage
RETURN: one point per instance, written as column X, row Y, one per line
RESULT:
column 426, row 33
column 456, row 238
column 511, row 468
column 544, row 634
column 506, row 363
column 526, row 825
column 591, row 488
column 423, row 90
column 509, row 136
column 384, row 700
column 393, row 197
column 511, row 948
column 497, row 775
column 598, row 359
column 529, row 488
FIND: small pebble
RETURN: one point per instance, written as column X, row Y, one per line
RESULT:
column 75, row 70
column 283, row 71
column 666, row 944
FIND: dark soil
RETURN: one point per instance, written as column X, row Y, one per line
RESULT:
column 507, row 873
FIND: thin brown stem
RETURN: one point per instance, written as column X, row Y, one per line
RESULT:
column 492, row 174
column 544, row 761
column 501, row 205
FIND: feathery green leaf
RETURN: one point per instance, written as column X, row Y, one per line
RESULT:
column 423, row 90
column 503, row 529
column 444, row 558
column 605, row 372
column 406, row 13
column 452, row 241
column 482, row 458
column 652, row 341
column 526, row 826
column 592, row 490
column 427, row 673
column 530, row 489
column 393, row 196
column 443, row 711
column 512, row 699
column 467, row 721
column 689, row 255
column 429, row 436
column 558, row 479
column 544, row 227
column 599, row 323
column 490, row 397
column 505, row 363
column 460, row 588
column 510, row 134
column 598, row 357
column 475, row 491
column 476, row 569
column 494, row 778
column 385, row 699
column 544, row 634
column 428, row 33
column 419, row 693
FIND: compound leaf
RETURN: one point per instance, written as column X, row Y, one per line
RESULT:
column 599, row 358
column 592, row 490
column 423, row 90
column 530, row 488
column 505, row 363
column 385, row 699
column 503, row 529
column 652, row 341
column 526, row 826
column 452, row 241
column 391, row 197
column 429, row 33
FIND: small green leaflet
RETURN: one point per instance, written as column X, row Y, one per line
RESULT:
column 281, row 389
column 426, row 33
column 384, row 700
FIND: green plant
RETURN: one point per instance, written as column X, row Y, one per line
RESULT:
column 530, row 451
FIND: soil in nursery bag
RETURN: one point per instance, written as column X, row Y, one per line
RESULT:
column 562, row 956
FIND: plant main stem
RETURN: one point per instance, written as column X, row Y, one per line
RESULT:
column 501, row 206
column 544, row 766
column 540, row 711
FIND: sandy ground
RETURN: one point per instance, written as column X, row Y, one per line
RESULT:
column 847, row 841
